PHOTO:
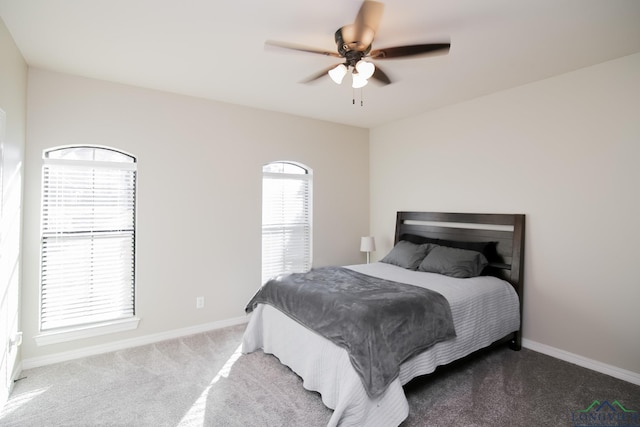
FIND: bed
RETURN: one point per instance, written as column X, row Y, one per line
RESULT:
column 486, row 311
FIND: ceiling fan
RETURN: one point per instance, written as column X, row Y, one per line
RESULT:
column 354, row 42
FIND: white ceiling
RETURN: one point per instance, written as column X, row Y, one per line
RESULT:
column 215, row 49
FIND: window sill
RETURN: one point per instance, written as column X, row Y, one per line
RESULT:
column 87, row 331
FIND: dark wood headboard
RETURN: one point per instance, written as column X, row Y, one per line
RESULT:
column 507, row 230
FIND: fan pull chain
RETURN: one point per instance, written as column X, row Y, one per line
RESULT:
column 353, row 97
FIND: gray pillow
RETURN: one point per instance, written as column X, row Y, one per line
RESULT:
column 407, row 255
column 453, row 262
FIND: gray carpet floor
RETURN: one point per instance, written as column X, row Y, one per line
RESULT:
column 203, row 380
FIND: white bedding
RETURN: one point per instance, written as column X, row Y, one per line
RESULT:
column 484, row 310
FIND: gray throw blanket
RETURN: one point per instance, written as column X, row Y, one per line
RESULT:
column 379, row 322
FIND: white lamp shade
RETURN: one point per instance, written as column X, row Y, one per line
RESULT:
column 338, row 73
column 367, row 244
column 365, row 69
column 358, row 81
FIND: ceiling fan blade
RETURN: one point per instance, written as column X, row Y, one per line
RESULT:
column 410, row 50
column 359, row 35
column 370, row 14
column 290, row 46
column 319, row 75
column 381, row 76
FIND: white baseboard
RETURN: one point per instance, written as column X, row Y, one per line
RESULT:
column 36, row 362
column 15, row 375
column 594, row 365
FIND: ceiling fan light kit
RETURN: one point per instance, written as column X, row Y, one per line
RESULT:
column 354, row 42
column 338, row 73
column 360, row 74
column 365, row 69
column 358, row 80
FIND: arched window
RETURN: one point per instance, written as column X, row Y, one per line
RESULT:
column 88, row 238
column 286, row 219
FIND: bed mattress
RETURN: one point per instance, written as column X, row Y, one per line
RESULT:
column 484, row 309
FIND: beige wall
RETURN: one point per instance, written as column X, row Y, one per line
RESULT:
column 199, row 193
column 564, row 151
column 13, row 95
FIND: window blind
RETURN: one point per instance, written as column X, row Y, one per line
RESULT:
column 88, row 242
column 286, row 223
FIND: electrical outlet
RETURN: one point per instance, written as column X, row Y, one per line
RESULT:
column 199, row 302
